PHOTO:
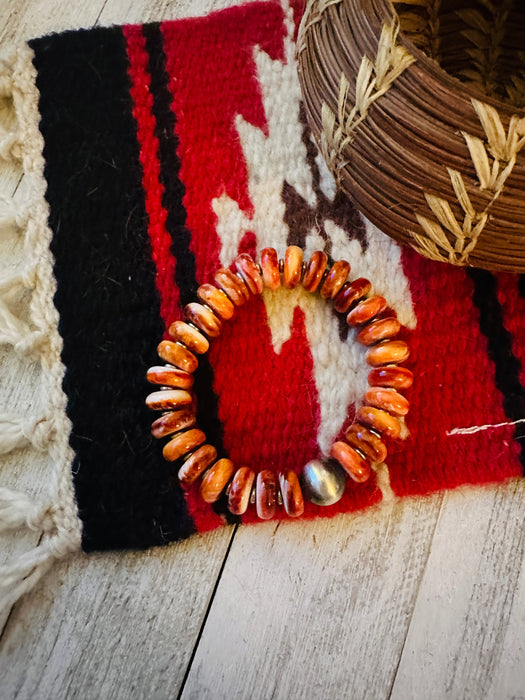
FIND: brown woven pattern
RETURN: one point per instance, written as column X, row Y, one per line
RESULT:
column 418, row 108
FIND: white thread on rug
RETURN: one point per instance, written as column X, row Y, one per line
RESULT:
column 56, row 516
column 480, row 428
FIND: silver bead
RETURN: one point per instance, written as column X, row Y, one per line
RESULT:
column 323, row 482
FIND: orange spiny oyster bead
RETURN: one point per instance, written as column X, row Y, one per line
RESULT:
column 170, row 376
column 352, row 462
column 178, row 355
column 381, row 329
column 168, row 399
column 335, row 279
column 203, row 318
column 366, row 310
column 379, row 420
column 387, row 399
column 217, row 300
column 196, row 463
column 193, row 339
column 368, row 442
column 315, row 270
column 216, row 479
column 266, row 494
column 293, row 266
column 391, row 376
column 292, row 494
column 183, row 443
column 233, row 286
column 270, row 268
column 388, row 352
column 173, row 422
column 350, row 293
column 247, row 268
column 240, row 490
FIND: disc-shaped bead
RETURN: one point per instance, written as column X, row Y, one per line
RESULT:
column 366, row 310
column 232, row 286
column 350, row 293
column 203, row 318
column 388, row 399
column 323, row 482
column 266, row 494
column 379, row 420
column 367, row 442
column 293, row 266
column 248, row 270
column 178, row 355
column 172, row 422
column 240, row 490
column 354, row 465
column 379, row 330
column 388, row 352
column 270, row 268
column 216, row 479
column 196, row 463
column 217, row 300
column 292, row 495
column 335, row 279
column 391, row 376
column 193, row 339
column 170, row 376
column 183, row 443
column 168, row 399
column 315, row 271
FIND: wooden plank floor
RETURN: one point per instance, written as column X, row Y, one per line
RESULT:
column 417, row 599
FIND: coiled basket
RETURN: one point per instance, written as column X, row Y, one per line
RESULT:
column 418, row 109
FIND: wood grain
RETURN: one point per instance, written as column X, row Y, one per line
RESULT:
column 115, row 625
column 315, row 610
column 468, row 628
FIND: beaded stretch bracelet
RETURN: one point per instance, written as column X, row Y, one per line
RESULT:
column 323, row 482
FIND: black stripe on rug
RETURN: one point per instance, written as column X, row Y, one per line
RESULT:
column 172, row 201
column 106, row 294
column 499, row 340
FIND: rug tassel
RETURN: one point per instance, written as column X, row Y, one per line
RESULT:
column 6, row 85
column 11, row 285
column 10, row 140
column 19, row 431
column 6, row 76
column 10, row 146
column 17, row 510
column 12, row 215
column 15, row 332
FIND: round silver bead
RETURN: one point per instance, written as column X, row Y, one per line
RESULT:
column 323, row 482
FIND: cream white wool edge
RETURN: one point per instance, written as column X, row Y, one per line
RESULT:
column 36, row 339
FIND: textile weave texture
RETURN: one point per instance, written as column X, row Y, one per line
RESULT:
column 169, row 149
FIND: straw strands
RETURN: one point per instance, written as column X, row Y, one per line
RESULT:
column 432, row 153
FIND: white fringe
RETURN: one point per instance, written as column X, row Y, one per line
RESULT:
column 36, row 337
column 60, row 539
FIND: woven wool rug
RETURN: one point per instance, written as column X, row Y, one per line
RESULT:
column 153, row 155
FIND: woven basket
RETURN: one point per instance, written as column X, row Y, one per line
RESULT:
column 418, row 108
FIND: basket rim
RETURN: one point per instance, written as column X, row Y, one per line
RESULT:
column 435, row 71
